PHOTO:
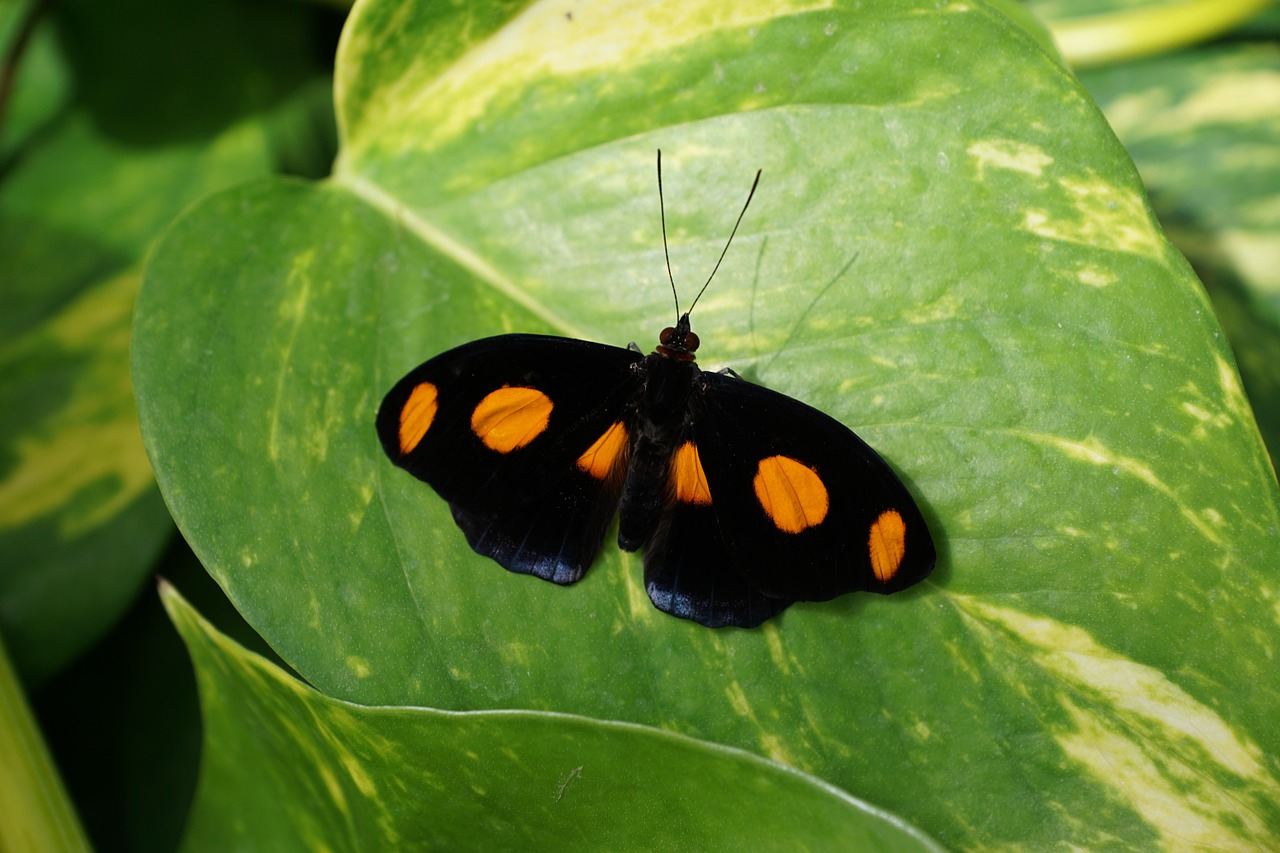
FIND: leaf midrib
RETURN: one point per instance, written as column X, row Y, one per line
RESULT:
column 461, row 254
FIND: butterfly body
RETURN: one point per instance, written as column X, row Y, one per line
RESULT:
column 659, row 420
column 743, row 499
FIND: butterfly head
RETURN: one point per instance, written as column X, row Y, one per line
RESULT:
column 679, row 341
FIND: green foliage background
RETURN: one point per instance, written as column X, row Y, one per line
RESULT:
column 950, row 252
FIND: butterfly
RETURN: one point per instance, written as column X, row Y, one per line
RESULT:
column 744, row 499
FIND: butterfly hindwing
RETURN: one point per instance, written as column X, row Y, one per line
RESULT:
column 689, row 569
column 806, row 509
column 690, row 572
column 524, row 436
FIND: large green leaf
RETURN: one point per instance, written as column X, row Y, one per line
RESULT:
column 420, row 779
column 949, row 251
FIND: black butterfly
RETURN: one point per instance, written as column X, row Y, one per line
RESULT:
column 743, row 499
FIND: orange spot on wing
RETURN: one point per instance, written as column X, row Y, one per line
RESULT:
column 791, row 494
column 416, row 416
column 602, row 457
column 887, row 544
column 511, row 417
column 688, row 480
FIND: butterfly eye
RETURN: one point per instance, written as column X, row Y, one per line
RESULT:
column 668, row 334
column 691, row 342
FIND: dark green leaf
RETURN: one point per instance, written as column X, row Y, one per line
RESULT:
column 123, row 722
column 80, row 521
column 40, row 81
column 156, row 73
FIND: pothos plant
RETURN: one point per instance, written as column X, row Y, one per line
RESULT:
column 949, row 251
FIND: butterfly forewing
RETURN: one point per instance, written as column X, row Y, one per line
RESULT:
column 524, row 436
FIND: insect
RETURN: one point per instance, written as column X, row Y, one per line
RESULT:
column 743, row 499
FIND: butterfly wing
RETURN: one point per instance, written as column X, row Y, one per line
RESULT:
column 525, row 437
column 690, row 572
column 806, row 510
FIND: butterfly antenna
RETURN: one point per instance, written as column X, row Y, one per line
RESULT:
column 729, row 242
column 663, row 212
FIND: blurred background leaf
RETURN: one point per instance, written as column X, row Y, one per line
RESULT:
column 1097, row 32
column 36, row 83
column 80, row 520
column 86, row 185
column 1204, row 130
